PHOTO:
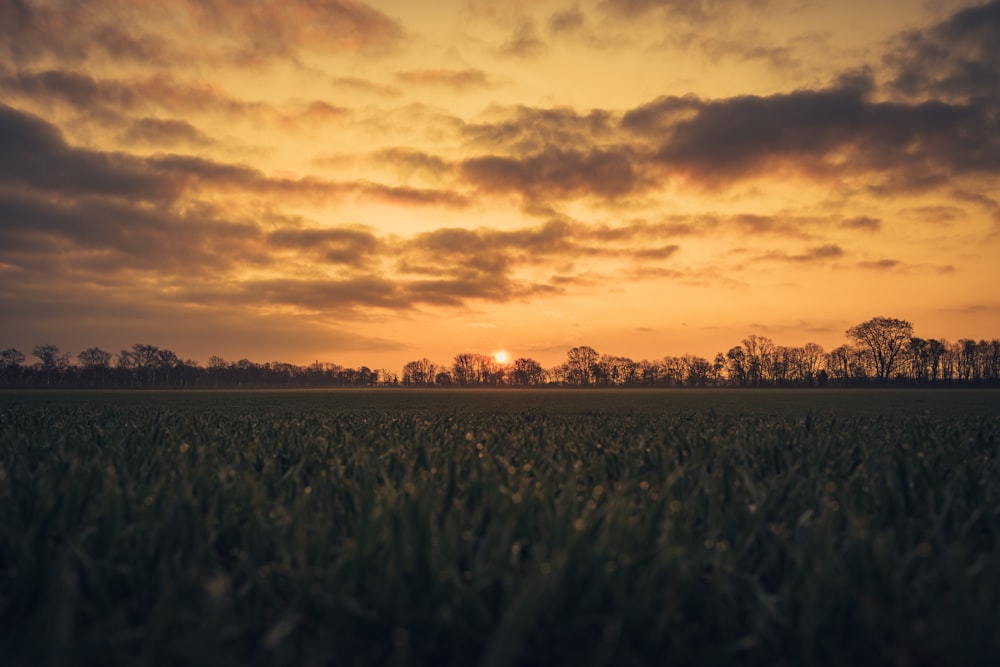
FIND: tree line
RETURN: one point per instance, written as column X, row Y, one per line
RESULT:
column 882, row 351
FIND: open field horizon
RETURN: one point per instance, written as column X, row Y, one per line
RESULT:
column 911, row 401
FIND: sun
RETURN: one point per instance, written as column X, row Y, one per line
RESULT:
column 501, row 357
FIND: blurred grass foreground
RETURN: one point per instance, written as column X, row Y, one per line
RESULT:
column 500, row 527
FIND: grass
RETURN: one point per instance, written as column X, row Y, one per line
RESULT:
column 500, row 527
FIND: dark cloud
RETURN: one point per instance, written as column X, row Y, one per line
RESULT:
column 114, row 97
column 177, row 32
column 498, row 252
column 958, row 59
column 696, row 11
column 748, row 47
column 33, row 153
column 862, row 223
column 880, row 264
column 810, row 255
column 30, row 30
column 525, row 130
column 164, row 132
column 457, row 79
column 559, row 174
column 818, row 133
column 896, row 265
column 524, row 43
column 75, row 215
column 567, row 21
column 101, row 238
column 337, row 245
column 332, row 26
column 410, row 160
column 661, row 252
column 941, row 215
column 755, row 224
column 88, row 94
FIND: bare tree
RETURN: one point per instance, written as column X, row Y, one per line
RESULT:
column 420, row 372
column 697, row 370
column 95, row 362
column 11, row 357
column 464, row 368
column 526, row 372
column 50, row 360
column 738, row 366
column 581, row 365
column 10, row 364
column 884, row 338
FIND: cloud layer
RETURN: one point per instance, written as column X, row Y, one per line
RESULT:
column 327, row 161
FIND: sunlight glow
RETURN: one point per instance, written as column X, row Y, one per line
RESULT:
column 501, row 357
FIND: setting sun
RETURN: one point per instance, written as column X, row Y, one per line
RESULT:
column 501, row 357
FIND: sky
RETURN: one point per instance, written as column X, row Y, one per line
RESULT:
column 368, row 183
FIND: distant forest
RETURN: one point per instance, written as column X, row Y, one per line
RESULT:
column 880, row 352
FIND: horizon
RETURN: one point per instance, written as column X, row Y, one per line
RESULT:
column 372, row 183
column 503, row 357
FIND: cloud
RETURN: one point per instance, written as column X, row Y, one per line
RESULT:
column 821, row 134
column 524, row 43
column 332, row 26
column 124, row 223
column 816, row 254
column 101, row 240
column 694, row 11
column 221, row 32
column 164, row 132
column 748, row 46
column 940, row 215
column 341, row 245
column 862, row 223
column 567, row 21
column 752, row 223
column 30, row 30
column 411, row 160
column 457, row 79
column 34, row 153
column 111, row 99
column 525, row 130
column 897, row 266
column 559, row 174
column 880, row 264
column 365, row 86
column 958, row 59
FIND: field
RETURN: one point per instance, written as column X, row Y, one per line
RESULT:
column 500, row 527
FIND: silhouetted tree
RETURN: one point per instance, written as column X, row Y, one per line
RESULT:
column 10, row 364
column 884, row 338
column 581, row 365
column 464, row 368
column 96, row 363
column 696, row 370
column 421, row 372
column 526, row 372
column 50, row 361
column 738, row 366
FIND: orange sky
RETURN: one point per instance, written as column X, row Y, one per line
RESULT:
column 370, row 183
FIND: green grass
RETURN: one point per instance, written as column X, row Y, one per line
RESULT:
column 500, row 527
